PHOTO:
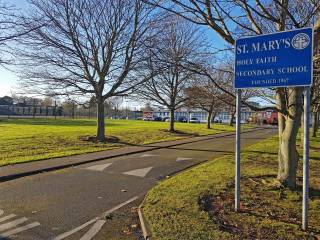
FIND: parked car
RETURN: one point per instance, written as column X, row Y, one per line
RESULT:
column 183, row 119
column 165, row 119
column 148, row 119
column 217, row 120
column 139, row 118
column 241, row 121
column 194, row 120
column 158, row 119
column 168, row 119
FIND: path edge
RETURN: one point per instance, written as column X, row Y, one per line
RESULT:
column 145, row 227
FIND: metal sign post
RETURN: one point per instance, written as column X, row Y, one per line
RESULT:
column 305, row 190
column 238, row 145
column 282, row 59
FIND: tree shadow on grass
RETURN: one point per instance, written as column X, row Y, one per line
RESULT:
column 261, row 152
column 279, row 219
column 315, row 139
column 221, row 130
column 54, row 122
column 315, row 158
column 254, row 138
column 200, row 150
column 313, row 192
column 315, row 148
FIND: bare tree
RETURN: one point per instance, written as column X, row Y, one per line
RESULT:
column 7, row 25
column 178, row 44
column 10, row 29
column 47, row 102
column 69, row 108
column 221, row 82
column 147, row 108
column 85, row 47
column 114, row 104
column 205, row 96
column 3, row 24
column 229, row 19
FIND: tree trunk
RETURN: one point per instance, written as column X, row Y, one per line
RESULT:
column 214, row 114
column 301, row 129
column 100, row 121
column 288, row 155
column 317, row 121
column 315, row 124
column 171, row 128
column 209, row 118
column 233, row 113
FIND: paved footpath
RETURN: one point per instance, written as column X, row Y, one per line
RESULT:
column 71, row 203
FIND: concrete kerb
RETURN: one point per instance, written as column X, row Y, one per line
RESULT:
column 145, row 227
column 151, row 148
column 146, row 231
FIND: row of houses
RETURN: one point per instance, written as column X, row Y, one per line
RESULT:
column 247, row 115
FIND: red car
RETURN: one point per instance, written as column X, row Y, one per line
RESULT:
column 270, row 117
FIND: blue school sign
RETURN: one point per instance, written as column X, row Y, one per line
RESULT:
column 281, row 59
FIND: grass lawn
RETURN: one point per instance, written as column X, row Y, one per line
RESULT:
column 199, row 203
column 23, row 140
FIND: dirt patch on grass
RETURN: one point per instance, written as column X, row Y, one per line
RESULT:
column 262, row 201
column 93, row 139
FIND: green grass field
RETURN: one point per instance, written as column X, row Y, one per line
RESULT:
column 23, row 140
column 203, row 203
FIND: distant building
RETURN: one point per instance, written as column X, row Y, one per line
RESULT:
column 223, row 116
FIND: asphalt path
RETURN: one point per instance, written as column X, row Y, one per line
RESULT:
column 72, row 203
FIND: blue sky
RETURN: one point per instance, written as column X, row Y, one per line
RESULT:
column 9, row 80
